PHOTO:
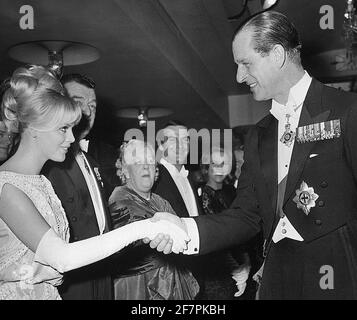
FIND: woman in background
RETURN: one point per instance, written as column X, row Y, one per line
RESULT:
column 142, row 273
column 6, row 141
column 227, row 270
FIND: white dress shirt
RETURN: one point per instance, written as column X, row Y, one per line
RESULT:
column 293, row 107
column 183, row 185
column 292, row 111
column 84, row 144
column 93, row 189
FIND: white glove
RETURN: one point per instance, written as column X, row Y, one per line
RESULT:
column 62, row 256
column 241, row 288
column 240, row 275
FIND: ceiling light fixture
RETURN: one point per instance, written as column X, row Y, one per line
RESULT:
column 265, row 5
column 143, row 114
column 54, row 54
column 347, row 60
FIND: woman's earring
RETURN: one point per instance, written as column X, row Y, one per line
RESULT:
column 156, row 174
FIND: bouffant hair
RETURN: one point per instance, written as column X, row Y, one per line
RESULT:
column 35, row 98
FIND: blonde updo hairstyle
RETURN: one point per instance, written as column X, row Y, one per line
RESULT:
column 36, row 98
column 129, row 148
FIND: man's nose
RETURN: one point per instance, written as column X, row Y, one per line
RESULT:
column 70, row 136
column 86, row 109
column 183, row 144
column 241, row 74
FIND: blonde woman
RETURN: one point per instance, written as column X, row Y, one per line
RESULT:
column 34, row 234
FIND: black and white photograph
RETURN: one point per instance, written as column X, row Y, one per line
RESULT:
column 202, row 153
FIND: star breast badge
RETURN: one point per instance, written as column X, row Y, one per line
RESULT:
column 305, row 198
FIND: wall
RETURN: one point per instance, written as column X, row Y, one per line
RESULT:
column 244, row 110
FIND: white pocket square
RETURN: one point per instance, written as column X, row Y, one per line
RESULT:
column 312, row 155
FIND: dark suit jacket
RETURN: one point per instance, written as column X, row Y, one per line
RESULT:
column 105, row 156
column 165, row 187
column 331, row 227
column 91, row 282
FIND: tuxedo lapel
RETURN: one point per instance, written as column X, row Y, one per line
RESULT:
column 197, row 199
column 93, row 165
column 310, row 113
column 72, row 170
column 169, row 191
column 268, row 152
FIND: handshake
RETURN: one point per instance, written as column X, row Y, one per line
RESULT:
column 167, row 233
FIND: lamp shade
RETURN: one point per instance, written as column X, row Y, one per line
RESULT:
column 267, row 4
column 37, row 52
column 151, row 112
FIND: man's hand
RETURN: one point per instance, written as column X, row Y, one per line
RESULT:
column 163, row 243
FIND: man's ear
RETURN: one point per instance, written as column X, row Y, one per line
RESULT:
column 279, row 55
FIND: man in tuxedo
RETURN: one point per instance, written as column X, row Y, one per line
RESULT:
column 299, row 178
column 78, row 184
column 174, row 183
column 82, row 90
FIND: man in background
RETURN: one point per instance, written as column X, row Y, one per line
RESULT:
column 79, row 185
column 174, row 184
column 82, row 90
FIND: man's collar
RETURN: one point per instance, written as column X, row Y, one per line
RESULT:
column 297, row 95
column 172, row 169
column 298, row 92
column 84, row 143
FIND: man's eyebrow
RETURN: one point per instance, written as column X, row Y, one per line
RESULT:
column 82, row 98
column 77, row 97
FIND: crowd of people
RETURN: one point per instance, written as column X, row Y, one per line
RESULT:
column 81, row 219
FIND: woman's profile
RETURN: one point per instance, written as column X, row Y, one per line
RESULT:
column 34, row 233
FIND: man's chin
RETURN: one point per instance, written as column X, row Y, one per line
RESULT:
column 83, row 134
column 82, row 129
column 257, row 97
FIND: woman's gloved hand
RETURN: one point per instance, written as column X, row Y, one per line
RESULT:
column 177, row 234
column 241, row 275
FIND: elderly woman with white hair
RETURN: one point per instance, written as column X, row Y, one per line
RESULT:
column 142, row 273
